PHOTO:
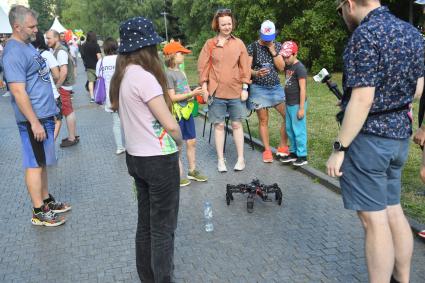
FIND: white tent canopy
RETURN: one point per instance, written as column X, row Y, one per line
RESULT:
column 57, row 26
column 4, row 22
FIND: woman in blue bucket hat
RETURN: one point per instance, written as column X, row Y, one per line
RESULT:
column 152, row 137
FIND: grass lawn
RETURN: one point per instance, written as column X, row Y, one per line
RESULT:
column 322, row 130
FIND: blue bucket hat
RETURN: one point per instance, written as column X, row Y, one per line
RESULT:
column 136, row 33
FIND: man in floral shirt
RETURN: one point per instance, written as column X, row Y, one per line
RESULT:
column 383, row 70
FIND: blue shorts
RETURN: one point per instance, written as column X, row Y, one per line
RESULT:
column 38, row 154
column 371, row 178
column 265, row 96
column 187, row 128
column 220, row 108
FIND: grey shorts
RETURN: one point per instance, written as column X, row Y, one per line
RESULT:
column 220, row 108
column 372, row 167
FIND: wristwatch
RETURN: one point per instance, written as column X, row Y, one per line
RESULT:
column 339, row 147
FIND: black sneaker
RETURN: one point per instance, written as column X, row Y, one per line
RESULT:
column 289, row 158
column 302, row 160
column 47, row 218
column 57, row 206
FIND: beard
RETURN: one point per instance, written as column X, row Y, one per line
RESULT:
column 32, row 37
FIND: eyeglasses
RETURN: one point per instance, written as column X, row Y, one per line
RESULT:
column 223, row 11
column 339, row 8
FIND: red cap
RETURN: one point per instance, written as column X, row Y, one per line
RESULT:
column 289, row 48
column 174, row 47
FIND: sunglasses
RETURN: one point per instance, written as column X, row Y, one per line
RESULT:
column 339, row 8
column 223, row 11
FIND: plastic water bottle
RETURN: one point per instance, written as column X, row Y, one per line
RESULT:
column 209, row 227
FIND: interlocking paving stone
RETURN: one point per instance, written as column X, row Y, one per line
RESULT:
column 310, row 238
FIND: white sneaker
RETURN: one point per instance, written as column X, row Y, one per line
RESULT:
column 221, row 165
column 120, row 151
column 6, row 94
column 240, row 165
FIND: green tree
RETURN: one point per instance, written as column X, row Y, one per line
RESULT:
column 45, row 10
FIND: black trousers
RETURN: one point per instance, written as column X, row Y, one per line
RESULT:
column 158, row 192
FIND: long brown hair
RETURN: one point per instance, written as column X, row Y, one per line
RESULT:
column 147, row 57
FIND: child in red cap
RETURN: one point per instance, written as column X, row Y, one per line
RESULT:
column 182, row 97
column 296, row 104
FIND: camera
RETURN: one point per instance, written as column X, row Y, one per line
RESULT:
column 324, row 77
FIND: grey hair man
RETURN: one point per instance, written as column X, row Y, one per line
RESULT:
column 27, row 77
column 383, row 72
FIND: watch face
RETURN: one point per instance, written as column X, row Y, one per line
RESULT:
column 337, row 145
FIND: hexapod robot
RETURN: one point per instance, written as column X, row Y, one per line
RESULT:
column 253, row 189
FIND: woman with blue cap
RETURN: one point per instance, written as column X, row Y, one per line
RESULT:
column 152, row 137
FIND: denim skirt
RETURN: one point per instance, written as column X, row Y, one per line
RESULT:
column 265, row 96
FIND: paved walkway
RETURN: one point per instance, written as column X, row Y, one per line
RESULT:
column 310, row 238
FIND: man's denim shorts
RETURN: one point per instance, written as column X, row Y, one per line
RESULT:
column 265, row 96
column 38, row 154
column 219, row 108
column 372, row 168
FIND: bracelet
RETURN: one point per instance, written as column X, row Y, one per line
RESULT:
column 274, row 56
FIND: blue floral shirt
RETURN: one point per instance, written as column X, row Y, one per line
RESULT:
column 386, row 53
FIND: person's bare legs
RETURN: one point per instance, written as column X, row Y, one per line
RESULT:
column 71, row 125
column 379, row 247
column 91, row 90
column 34, row 182
column 58, row 125
column 44, row 183
column 283, row 135
column 238, row 139
column 403, row 242
column 219, row 139
column 191, row 153
column 263, row 127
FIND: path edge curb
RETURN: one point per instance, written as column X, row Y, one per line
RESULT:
column 323, row 179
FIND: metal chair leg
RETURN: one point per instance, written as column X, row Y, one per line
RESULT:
column 249, row 133
column 205, row 123
column 226, row 131
column 209, row 138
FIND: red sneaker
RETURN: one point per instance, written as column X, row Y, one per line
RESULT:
column 267, row 156
column 282, row 151
column 422, row 234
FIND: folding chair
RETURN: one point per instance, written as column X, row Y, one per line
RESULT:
column 226, row 122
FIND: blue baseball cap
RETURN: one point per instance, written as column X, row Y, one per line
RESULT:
column 268, row 31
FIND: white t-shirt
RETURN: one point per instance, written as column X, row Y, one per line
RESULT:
column 73, row 50
column 108, row 69
column 52, row 63
column 62, row 58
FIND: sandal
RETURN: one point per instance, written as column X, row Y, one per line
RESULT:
column 76, row 137
column 67, row 142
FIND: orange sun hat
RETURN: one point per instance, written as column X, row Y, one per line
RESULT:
column 174, row 47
